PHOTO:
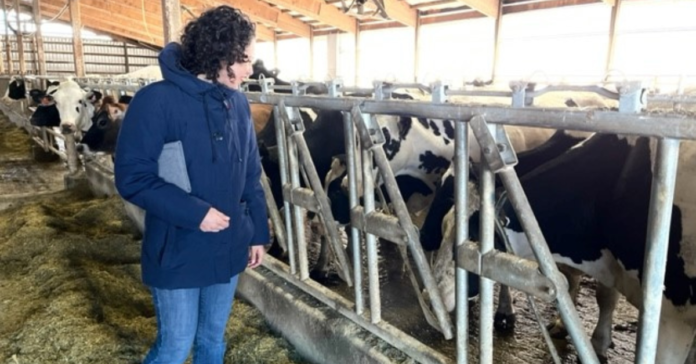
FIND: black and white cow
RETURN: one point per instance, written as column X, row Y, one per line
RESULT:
column 106, row 124
column 592, row 205
column 432, row 230
column 73, row 105
column 16, row 89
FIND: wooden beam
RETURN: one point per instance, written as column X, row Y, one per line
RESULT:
column 320, row 11
column 171, row 20
column 259, row 12
column 611, row 2
column 118, row 29
column 451, row 17
column 486, row 7
column 265, row 33
column 40, row 54
column 76, row 21
column 510, row 9
column 400, row 11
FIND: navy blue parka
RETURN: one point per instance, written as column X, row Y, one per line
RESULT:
column 214, row 125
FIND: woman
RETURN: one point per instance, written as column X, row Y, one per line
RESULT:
column 195, row 244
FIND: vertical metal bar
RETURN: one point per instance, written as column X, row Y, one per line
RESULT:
column 487, row 228
column 548, row 266
column 349, row 132
column 416, row 47
column 371, row 241
column 544, row 331
column 284, row 178
column 71, row 152
column 297, row 210
column 659, row 220
column 461, row 203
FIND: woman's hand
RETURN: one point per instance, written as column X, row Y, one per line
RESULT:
column 214, row 221
column 256, row 253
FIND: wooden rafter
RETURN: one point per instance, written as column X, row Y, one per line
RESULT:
column 517, row 8
column 320, row 11
column 486, row 7
column 117, row 19
column 400, row 11
column 259, row 12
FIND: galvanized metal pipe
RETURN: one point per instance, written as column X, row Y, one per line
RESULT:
column 657, row 244
column 284, row 180
column 321, row 198
column 379, row 224
column 413, row 241
column 371, row 241
column 297, row 215
column 508, row 269
column 461, row 205
column 678, row 127
column 71, row 152
column 487, row 229
column 355, row 236
column 548, row 266
column 278, row 226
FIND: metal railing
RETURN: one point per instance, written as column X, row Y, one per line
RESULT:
column 484, row 120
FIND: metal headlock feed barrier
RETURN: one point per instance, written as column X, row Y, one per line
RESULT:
column 363, row 145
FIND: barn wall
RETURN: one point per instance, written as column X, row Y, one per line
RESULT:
column 386, row 54
column 102, row 57
column 655, row 42
column 456, row 52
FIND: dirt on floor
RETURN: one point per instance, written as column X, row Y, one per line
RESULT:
column 70, row 288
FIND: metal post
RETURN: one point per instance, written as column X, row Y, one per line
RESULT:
column 171, row 20
column 496, row 41
column 657, row 244
column 371, row 241
column 71, row 152
column 278, row 226
column 487, row 229
column 461, row 203
column 283, row 165
column 615, row 11
column 296, row 210
column 351, row 165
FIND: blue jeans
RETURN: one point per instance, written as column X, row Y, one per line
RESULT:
column 191, row 316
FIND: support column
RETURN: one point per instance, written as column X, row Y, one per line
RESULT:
column 8, row 46
column 357, row 54
column 496, row 42
column 332, row 55
column 38, row 39
column 416, row 48
column 615, row 10
column 20, row 41
column 76, row 22
column 311, row 54
column 171, row 20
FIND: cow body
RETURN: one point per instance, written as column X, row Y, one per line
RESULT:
column 592, row 205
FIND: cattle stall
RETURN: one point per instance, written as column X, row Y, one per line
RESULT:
column 400, row 229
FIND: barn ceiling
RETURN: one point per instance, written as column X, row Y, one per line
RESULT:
column 141, row 20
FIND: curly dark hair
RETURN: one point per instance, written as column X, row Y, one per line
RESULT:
column 218, row 35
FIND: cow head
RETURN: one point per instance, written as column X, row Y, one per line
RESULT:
column 75, row 105
column 106, row 123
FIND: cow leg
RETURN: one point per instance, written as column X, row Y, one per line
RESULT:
column 607, row 298
column 504, row 319
column 557, row 329
column 675, row 339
